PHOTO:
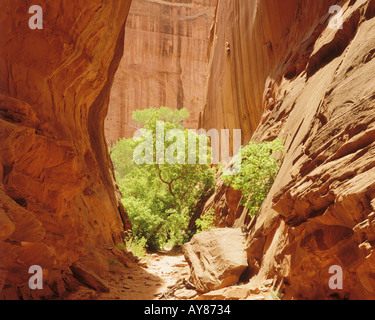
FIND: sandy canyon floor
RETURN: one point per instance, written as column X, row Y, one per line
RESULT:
column 162, row 275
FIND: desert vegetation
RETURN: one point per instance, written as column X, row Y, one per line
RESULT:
column 257, row 170
column 160, row 196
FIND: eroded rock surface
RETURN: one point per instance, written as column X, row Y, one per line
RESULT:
column 217, row 258
column 57, row 198
column 165, row 62
column 226, row 204
column 312, row 86
column 275, row 70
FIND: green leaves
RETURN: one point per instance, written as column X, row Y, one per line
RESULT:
column 258, row 170
column 149, row 117
column 158, row 196
column 206, row 221
column 160, row 192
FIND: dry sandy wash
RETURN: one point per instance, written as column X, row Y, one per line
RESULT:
column 155, row 277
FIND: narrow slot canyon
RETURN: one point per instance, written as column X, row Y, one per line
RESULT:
column 89, row 213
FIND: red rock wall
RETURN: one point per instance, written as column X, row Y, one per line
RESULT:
column 276, row 69
column 247, row 43
column 164, row 64
column 289, row 75
column 57, row 200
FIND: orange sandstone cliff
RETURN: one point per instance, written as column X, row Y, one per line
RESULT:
column 165, row 62
column 57, row 200
column 277, row 69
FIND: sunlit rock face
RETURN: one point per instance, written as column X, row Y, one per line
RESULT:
column 57, row 199
column 279, row 70
column 275, row 69
column 164, row 64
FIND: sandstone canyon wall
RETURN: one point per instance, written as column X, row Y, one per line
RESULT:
column 57, row 201
column 278, row 70
column 165, row 62
column 275, row 69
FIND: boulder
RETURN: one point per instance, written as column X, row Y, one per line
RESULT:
column 217, row 258
column 88, row 278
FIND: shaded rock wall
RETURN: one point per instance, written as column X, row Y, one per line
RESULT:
column 57, row 200
column 247, row 40
column 164, row 64
column 312, row 86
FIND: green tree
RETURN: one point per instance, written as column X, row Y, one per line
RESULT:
column 161, row 177
column 206, row 221
column 258, row 169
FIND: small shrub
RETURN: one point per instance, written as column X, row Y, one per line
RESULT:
column 206, row 221
column 135, row 245
column 257, row 173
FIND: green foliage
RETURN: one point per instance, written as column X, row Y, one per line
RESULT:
column 122, row 157
column 159, row 197
column 258, row 170
column 206, row 221
column 135, row 245
column 148, row 117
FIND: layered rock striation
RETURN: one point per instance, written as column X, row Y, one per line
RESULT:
column 165, row 62
column 286, row 73
column 57, row 199
column 276, row 69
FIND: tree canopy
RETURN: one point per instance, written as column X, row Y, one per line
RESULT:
column 159, row 194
